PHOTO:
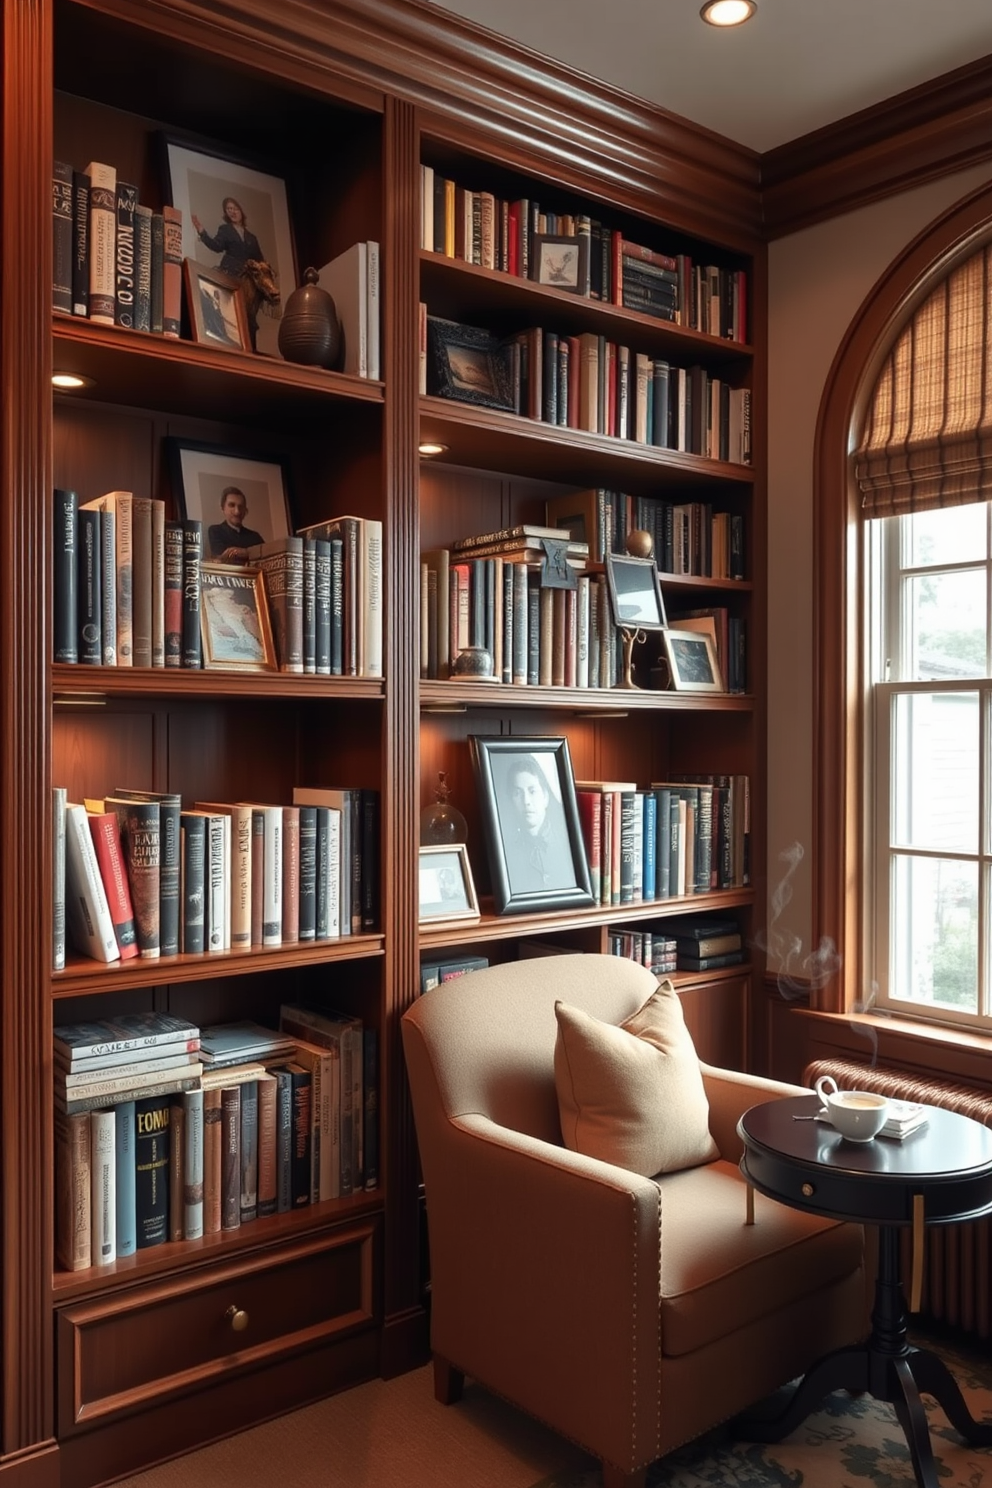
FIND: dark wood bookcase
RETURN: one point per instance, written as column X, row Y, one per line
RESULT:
column 111, row 1369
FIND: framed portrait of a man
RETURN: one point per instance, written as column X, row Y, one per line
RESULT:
column 537, row 857
column 241, row 499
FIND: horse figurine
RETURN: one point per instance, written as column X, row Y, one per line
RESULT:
column 259, row 287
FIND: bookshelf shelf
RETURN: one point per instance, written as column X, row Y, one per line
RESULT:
column 492, row 440
column 83, row 686
column 438, row 697
column 89, row 978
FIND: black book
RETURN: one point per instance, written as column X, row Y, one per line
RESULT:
column 249, row 1151
column 337, row 606
column 309, row 605
column 126, row 275
column 170, row 863
column 192, row 555
column 322, row 870
column 369, row 828
column 151, row 1169
column 370, row 1088
column 308, row 872
column 80, row 243
column 533, row 633
column 173, row 630
column 709, row 963
column 284, row 1140
column 62, row 236
column 660, row 393
column 700, row 928
column 143, row 268
column 157, row 284
column 65, row 635
column 89, row 588
column 230, row 1157
column 299, row 1168
column 322, row 606
column 193, row 832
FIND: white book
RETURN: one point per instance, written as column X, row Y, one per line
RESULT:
column 86, row 909
column 106, row 506
column 272, row 876
column 58, row 877
column 128, row 1071
column 374, row 314
column 370, row 633
column 345, row 279
column 215, row 892
column 193, row 1164
column 339, row 875
column 582, row 666
column 103, row 1191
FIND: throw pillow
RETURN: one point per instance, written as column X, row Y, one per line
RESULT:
column 633, row 1095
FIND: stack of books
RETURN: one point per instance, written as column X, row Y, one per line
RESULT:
column 904, row 1117
column 706, row 944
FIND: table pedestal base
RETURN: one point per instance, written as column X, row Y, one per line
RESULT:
column 888, row 1368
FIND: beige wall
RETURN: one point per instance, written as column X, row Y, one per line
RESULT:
column 818, row 278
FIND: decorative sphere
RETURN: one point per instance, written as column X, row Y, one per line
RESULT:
column 309, row 332
column 640, row 544
column 441, row 823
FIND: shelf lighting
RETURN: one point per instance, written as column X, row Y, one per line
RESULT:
column 728, row 12
column 70, row 381
column 431, row 447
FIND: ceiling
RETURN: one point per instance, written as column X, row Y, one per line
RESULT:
column 795, row 67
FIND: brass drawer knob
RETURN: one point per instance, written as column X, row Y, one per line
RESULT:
column 808, row 1190
column 237, row 1317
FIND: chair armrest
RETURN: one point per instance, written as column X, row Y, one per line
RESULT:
column 545, row 1273
column 730, row 1094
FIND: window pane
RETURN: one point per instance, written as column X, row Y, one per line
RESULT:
column 935, row 934
column 955, row 534
column 936, row 771
column 945, row 626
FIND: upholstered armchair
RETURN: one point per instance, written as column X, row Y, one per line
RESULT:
column 628, row 1313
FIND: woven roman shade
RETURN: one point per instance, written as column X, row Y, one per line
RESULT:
column 928, row 435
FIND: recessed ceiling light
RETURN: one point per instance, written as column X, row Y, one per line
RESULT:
column 430, row 447
column 728, row 12
column 70, row 380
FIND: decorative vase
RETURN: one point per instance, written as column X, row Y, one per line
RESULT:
column 441, row 823
column 309, row 331
column 474, row 662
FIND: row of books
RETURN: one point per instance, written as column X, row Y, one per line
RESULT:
column 667, row 840
column 433, row 973
column 689, row 536
column 537, row 636
column 166, row 1132
column 115, row 260
column 138, row 875
column 482, row 228
column 649, row 948
column 129, row 583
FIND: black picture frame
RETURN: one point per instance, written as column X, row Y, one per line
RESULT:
column 200, row 177
column 468, row 365
column 202, row 474
column 551, row 871
column 634, row 586
column 560, row 261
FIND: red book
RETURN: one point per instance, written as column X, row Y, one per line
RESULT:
column 590, row 804
column 647, row 255
column 616, row 245
column 109, row 854
column 290, row 873
column 513, row 239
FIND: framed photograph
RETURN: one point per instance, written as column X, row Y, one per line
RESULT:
column 468, row 364
column 446, row 890
column 216, row 308
column 692, row 661
column 560, row 262
column 534, row 844
column 235, row 215
column 635, row 593
column 241, row 499
column 234, row 619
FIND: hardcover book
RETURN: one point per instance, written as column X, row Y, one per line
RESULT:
column 127, row 1238
column 102, row 242
column 151, row 1165
column 62, row 236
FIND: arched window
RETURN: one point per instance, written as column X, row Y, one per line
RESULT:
column 904, row 635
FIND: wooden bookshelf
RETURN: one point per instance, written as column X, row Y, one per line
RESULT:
column 344, row 102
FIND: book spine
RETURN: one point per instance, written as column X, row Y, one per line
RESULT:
column 141, row 835
column 290, row 875
column 177, row 1155
column 59, row 796
column 62, row 236
column 156, row 275
column 192, row 652
column 151, row 1164
column 141, row 580
column 124, row 550
column 102, row 235
column 125, row 277
column 103, row 1197
column 284, row 1141
column 337, row 606
column 267, row 1177
column 215, row 905
column 248, row 1199
column 370, row 1089
column 80, row 243
column 301, row 1176
column 88, row 918
column 310, row 606
column 170, row 877
column 172, row 270
column 127, row 1239
column 322, row 607
column 193, row 835
column 230, row 1184
column 173, row 595
column 110, row 857
column 308, row 873
column 65, row 633
column 73, row 1228
column 89, row 588
column 143, row 268
column 257, row 875
column 158, row 583
column 212, row 1148
column 272, row 871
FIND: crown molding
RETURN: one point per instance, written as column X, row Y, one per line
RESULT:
column 942, row 126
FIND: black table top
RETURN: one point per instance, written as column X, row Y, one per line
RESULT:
column 810, row 1165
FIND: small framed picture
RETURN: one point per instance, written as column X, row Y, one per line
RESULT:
column 560, row 262
column 216, row 308
column 234, row 619
column 692, row 661
column 635, row 593
column 468, row 365
column 446, row 890
column 536, row 852
column 241, row 499
column 235, row 219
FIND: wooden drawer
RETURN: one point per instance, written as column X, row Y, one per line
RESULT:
column 120, row 1352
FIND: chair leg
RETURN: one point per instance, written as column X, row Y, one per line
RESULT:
column 615, row 1477
column 448, row 1381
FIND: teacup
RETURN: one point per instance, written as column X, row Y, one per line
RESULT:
column 858, row 1115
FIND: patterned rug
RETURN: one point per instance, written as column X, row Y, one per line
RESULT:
column 850, row 1442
